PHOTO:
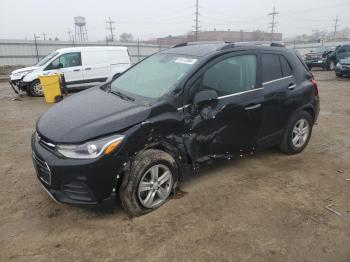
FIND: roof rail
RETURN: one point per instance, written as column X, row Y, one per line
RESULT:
column 199, row 43
column 252, row 43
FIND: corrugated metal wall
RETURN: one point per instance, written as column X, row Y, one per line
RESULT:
column 21, row 52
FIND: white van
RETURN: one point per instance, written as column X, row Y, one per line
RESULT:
column 83, row 67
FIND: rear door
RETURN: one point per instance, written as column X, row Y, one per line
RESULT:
column 278, row 82
column 96, row 66
column 231, row 124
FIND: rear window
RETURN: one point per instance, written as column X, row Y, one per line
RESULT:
column 271, row 67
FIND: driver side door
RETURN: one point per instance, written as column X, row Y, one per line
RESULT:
column 228, row 125
column 68, row 64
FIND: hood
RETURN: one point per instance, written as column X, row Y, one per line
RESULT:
column 89, row 114
column 24, row 69
column 345, row 61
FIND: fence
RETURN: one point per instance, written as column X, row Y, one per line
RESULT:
column 14, row 53
column 25, row 52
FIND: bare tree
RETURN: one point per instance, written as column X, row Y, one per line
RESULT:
column 126, row 37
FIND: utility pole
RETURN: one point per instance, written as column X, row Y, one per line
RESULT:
column 111, row 27
column 196, row 28
column 36, row 46
column 273, row 23
column 336, row 21
column 44, row 36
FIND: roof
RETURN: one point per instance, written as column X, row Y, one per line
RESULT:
column 80, row 48
column 206, row 49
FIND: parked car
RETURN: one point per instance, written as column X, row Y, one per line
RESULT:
column 343, row 67
column 342, row 51
column 173, row 112
column 83, row 67
column 318, row 57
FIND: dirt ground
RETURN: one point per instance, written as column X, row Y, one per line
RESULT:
column 266, row 207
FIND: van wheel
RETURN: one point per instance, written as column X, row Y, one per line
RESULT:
column 35, row 88
column 151, row 179
column 297, row 134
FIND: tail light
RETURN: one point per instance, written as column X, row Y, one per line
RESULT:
column 315, row 85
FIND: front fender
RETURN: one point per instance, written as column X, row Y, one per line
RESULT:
column 30, row 77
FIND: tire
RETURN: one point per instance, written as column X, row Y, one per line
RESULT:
column 134, row 194
column 35, row 89
column 288, row 145
column 339, row 75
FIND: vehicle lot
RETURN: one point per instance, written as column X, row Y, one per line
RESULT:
column 266, row 207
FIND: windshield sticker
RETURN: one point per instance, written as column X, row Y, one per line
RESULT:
column 186, row 60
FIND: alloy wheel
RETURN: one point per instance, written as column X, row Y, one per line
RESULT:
column 300, row 133
column 37, row 89
column 155, row 186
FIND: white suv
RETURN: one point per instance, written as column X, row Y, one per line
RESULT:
column 83, row 67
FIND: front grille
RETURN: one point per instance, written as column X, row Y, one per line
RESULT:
column 43, row 170
column 77, row 191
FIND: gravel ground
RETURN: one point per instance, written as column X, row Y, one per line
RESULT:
column 266, row 207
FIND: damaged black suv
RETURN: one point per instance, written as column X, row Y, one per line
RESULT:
column 171, row 113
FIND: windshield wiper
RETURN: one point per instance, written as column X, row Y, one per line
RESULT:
column 121, row 95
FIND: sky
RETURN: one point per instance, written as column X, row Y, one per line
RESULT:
column 20, row 19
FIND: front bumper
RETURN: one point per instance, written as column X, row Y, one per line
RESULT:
column 76, row 181
column 315, row 63
column 344, row 70
column 18, row 85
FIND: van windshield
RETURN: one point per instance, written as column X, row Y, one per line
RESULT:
column 46, row 59
column 154, row 76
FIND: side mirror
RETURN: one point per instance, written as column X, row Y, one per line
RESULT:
column 205, row 96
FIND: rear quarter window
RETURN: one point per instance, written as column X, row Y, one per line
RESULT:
column 271, row 67
column 286, row 68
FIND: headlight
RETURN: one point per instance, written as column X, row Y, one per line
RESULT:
column 22, row 74
column 339, row 65
column 91, row 149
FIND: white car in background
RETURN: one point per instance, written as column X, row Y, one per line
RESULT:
column 83, row 67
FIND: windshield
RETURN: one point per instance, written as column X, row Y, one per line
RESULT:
column 154, row 76
column 46, row 59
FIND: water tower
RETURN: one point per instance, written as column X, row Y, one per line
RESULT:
column 80, row 29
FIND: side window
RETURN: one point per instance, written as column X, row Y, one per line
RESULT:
column 232, row 75
column 66, row 60
column 271, row 67
column 286, row 69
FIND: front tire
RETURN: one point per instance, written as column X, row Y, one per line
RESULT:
column 331, row 66
column 297, row 133
column 151, row 179
column 35, row 89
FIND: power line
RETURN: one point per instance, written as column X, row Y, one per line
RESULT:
column 111, row 27
column 196, row 28
column 273, row 23
column 336, row 21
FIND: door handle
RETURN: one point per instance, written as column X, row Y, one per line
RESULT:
column 252, row 107
column 291, row 86
column 87, row 68
column 76, row 70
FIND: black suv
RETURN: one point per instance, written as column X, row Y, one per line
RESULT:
column 173, row 112
column 341, row 52
column 318, row 57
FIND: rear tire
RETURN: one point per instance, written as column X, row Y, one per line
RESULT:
column 35, row 89
column 339, row 75
column 143, row 184
column 297, row 134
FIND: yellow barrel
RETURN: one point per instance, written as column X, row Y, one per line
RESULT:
column 51, row 87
